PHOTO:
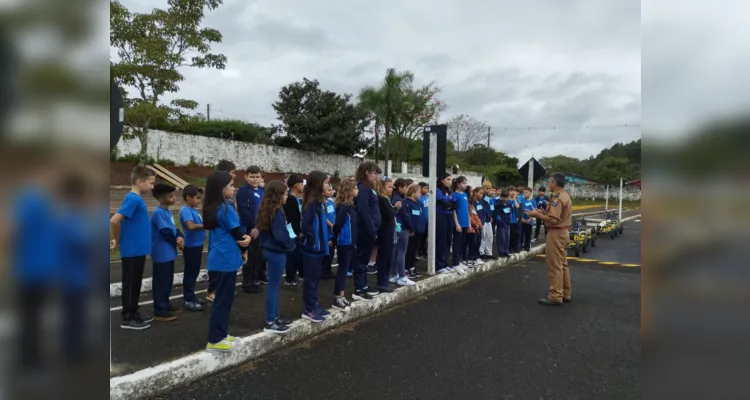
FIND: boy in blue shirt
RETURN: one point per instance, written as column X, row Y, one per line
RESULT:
column 195, row 237
column 527, row 223
column 330, row 219
column 424, row 203
column 541, row 200
column 515, row 235
column 131, row 231
column 486, row 207
column 165, row 239
column 503, row 213
column 248, row 202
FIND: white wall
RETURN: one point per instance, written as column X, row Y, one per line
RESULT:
column 181, row 148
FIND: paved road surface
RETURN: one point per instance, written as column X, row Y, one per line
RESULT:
column 487, row 339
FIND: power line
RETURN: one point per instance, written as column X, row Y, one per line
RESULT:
column 552, row 128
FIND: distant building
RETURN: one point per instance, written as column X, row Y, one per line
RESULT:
column 579, row 180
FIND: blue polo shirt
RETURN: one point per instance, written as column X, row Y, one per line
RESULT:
column 162, row 249
column 192, row 238
column 424, row 204
column 135, row 230
column 224, row 253
column 462, row 208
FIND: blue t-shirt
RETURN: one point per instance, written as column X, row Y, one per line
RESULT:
column 74, row 237
column 224, row 253
column 192, row 238
column 424, row 204
column 330, row 216
column 135, row 232
column 162, row 249
column 35, row 223
column 490, row 202
column 462, row 208
column 528, row 205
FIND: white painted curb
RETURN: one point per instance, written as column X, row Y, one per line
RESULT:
column 153, row 380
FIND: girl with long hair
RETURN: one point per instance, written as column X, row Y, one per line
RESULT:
column 277, row 239
column 404, row 231
column 387, row 233
column 345, row 238
column 314, row 243
column 227, row 251
column 445, row 223
column 369, row 221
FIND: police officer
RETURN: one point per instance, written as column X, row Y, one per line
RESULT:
column 557, row 218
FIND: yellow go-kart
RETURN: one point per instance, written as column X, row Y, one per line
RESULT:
column 610, row 226
column 581, row 237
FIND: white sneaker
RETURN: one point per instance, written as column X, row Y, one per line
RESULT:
column 460, row 269
column 393, row 279
column 479, row 262
column 451, row 269
column 444, row 271
column 406, row 282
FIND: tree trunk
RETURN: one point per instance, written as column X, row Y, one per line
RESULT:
column 143, row 138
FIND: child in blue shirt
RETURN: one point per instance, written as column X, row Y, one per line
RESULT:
column 541, row 200
column 424, row 203
column 227, row 251
column 165, row 239
column 445, row 225
column 515, row 228
column 461, row 221
column 195, row 236
column 414, row 210
column 404, row 230
column 503, row 218
column 131, row 231
column 330, row 219
column 487, row 207
column 314, row 244
column 277, row 239
column 249, row 197
column 345, row 238
column 369, row 222
column 527, row 223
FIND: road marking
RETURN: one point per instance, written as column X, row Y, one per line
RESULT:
column 588, row 260
column 608, row 263
column 631, row 265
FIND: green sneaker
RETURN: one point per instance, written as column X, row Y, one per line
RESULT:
column 224, row 346
column 231, row 338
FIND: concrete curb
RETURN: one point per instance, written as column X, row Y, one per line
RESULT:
column 155, row 379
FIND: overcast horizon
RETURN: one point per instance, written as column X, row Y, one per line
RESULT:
column 510, row 64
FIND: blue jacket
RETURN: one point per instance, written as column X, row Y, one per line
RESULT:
column 248, row 203
column 345, row 227
column 403, row 217
column 504, row 219
column 484, row 211
column 314, row 230
column 368, row 211
column 279, row 238
column 445, row 202
column 414, row 210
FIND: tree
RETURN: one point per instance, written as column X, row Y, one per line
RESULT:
column 320, row 121
column 151, row 49
column 465, row 132
column 419, row 107
column 560, row 163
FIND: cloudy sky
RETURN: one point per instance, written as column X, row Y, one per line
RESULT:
column 512, row 64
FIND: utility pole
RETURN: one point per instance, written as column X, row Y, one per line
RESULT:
column 208, row 112
column 489, row 132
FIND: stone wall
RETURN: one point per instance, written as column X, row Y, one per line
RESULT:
column 183, row 149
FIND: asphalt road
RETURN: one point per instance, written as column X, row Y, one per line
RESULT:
column 486, row 339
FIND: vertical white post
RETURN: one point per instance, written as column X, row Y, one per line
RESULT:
column 404, row 168
column 531, row 174
column 432, row 207
column 606, row 201
column 620, row 199
column 389, row 168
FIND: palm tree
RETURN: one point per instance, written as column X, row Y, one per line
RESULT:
column 386, row 102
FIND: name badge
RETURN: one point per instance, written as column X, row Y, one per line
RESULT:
column 330, row 208
column 506, row 210
column 492, row 207
column 289, row 229
column 416, row 212
column 256, row 195
column 480, row 207
column 528, row 204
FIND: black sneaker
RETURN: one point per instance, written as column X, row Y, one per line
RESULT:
column 193, row 306
column 262, row 280
column 414, row 274
column 135, row 325
column 290, row 284
column 361, row 296
column 339, row 303
column 371, row 291
column 385, row 289
column 146, row 319
column 275, row 327
column 371, row 269
column 282, row 321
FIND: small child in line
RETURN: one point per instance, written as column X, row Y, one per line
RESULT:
column 165, row 239
column 314, row 244
column 345, row 237
column 277, row 239
column 462, row 224
column 475, row 229
column 515, row 235
column 541, row 200
column 503, row 218
column 419, row 224
column 195, row 237
column 424, row 203
column 293, row 213
column 446, row 223
column 227, row 252
column 230, row 168
column 527, row 223
column 404, row 231
column 330, row 219
column 131, row 232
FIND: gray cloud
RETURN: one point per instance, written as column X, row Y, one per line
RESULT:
column 508, row 63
